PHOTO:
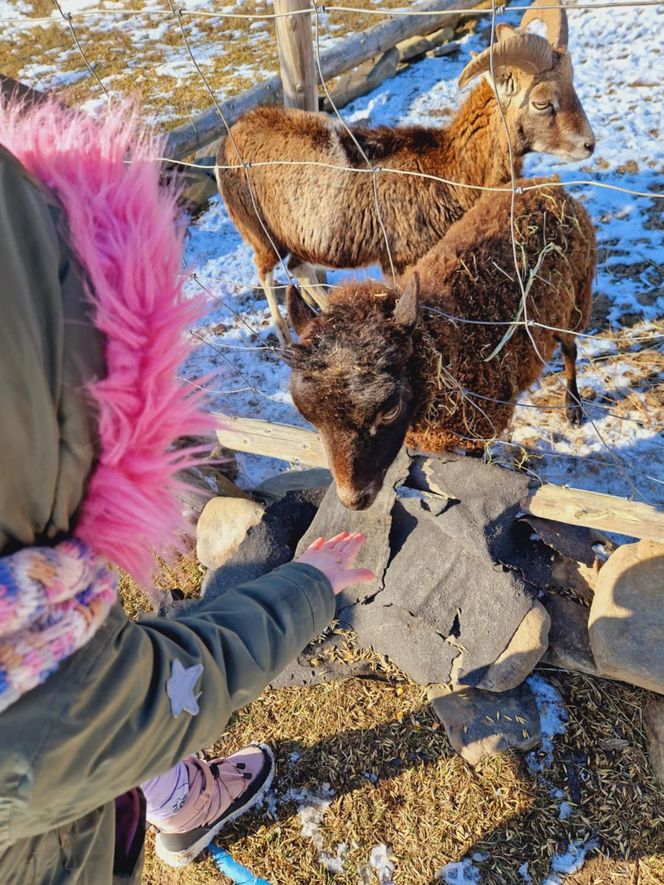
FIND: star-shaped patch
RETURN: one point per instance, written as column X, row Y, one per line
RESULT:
column 180, row 688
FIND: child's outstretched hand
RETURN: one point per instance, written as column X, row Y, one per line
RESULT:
column 334, row 558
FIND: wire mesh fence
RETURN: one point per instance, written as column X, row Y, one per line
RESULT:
column 94, row 54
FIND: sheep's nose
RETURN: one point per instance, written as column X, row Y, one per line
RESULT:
column 361, row 502
column 590, row 147
column 357, row 500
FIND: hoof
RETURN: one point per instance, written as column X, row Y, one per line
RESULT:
column 574, row 414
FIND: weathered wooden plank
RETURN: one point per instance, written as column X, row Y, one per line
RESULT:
column 283, row 441
column 597, row 511
column 416, row 47
column 363, row 79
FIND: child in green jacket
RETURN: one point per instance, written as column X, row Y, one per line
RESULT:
column 92, row 705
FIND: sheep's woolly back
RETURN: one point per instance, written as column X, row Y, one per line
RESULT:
column 123, row 228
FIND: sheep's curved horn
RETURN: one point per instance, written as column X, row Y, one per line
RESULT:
column 555, row 21
column 528, row 52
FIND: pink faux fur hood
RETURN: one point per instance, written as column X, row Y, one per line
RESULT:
column 124, row 227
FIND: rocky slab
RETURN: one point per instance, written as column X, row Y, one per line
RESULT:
column 481, row 724
column 569, row 642
column 268, row 544
column 626, row 624
column 375, row 523
column 444, row 601
column 522, row 655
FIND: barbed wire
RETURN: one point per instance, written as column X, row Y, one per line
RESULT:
column 388, row 170
column 626, row 467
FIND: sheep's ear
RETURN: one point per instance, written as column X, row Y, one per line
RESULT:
column 407, row 309
column 504, row 32
column 299, row 312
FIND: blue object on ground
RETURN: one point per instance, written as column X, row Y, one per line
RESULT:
column 232, row 869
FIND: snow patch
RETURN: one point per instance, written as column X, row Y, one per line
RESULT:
column 463, row 872
column 553, row 721
column 570, row 861
column 380, row 860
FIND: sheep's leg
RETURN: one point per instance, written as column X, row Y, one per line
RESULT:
column 312, row 290
column 573, row 405
column 267, row 282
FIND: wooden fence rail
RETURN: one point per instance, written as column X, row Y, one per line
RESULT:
column 605, row 513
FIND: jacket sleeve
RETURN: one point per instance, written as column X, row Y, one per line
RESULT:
column 105, row 719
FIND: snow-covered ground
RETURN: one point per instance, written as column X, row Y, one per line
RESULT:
column 619, row 62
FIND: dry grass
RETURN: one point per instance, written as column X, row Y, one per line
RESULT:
column 426, row 803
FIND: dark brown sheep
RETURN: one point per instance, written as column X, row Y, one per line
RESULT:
column 415, row 363
column 327, row 216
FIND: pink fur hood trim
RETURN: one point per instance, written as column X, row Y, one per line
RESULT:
column 124, row 229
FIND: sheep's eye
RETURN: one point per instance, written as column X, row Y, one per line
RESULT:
column 542, row 105
column 391, row 414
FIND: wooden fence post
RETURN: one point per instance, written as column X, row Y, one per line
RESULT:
column 296, row 55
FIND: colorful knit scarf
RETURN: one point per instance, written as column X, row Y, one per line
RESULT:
column 52, row 602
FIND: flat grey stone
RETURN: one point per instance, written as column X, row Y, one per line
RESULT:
column 412, row 644
column 653, row 723
column 569, row 643
column 481, row 724
column 571, row 541
column 626, row 624
column 568, row 574
column 522, row 655
column 483, row 511
column 275, row 487
column 375, row 522
column 314, row 666
column 442, row 603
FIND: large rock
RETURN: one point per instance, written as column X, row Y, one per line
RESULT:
column 222, row 527
column 457, row 574
column 653, row 722
column 444, row 602
column 569, row 643
column 524, row 651
column 626, row 623
column 480, row 724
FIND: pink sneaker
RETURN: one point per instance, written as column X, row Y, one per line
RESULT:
column 220, row 791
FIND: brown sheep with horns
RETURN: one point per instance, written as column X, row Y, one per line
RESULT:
column 327, row 217
column 429, row 365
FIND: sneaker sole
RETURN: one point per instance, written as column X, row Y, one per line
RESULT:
column 182, row 858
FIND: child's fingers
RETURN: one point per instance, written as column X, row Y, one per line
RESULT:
column 353, row 546
column 335, row 540
column 317, row 544
column 342, row 545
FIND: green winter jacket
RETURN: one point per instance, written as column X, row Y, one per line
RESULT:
column 102, row 723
